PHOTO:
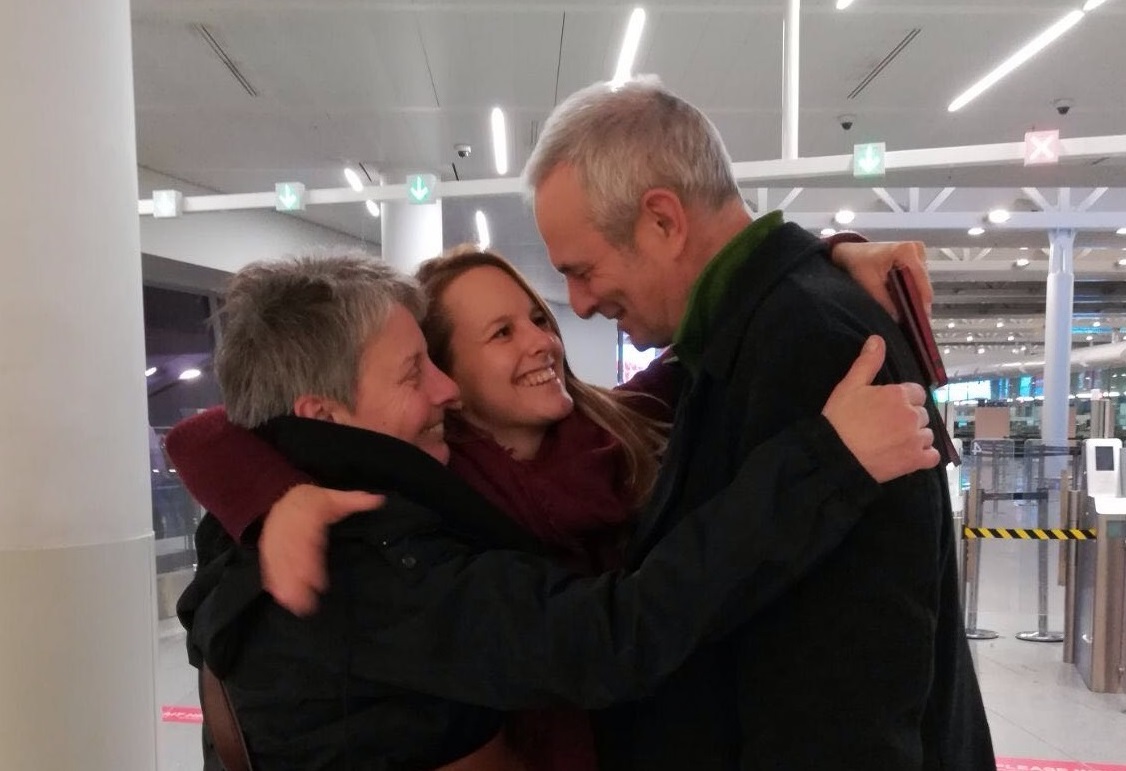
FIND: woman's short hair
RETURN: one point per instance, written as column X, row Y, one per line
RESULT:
column 642, row 439
column 623, row 140
column 299, row 326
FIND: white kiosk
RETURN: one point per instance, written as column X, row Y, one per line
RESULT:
column 1099, row 624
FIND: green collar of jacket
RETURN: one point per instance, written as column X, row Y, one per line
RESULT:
column 711, row 285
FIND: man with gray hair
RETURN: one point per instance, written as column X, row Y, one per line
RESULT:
column 863, row 663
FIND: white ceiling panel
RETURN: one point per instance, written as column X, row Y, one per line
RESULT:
column 395, row 84
column 497, row 57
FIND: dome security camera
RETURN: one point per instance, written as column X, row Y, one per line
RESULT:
column 846, row 121
column 1063, row 106
column 463, row 151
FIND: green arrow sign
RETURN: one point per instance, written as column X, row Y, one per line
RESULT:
column 868, row 160
column 290, row 196
column 421, row 187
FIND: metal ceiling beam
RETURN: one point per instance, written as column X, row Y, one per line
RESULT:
column 825, row 167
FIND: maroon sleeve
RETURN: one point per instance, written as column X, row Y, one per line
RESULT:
column 844, row 237
column 661, row 383
column 234, row 474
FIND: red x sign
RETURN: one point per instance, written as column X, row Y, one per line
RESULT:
column 1041, row 147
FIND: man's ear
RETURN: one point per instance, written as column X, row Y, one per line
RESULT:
column 315, row 407
column 662, row 223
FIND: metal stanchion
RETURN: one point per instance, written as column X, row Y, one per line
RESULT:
column 1042, row 634
column 971, row 560
column 1069, row 518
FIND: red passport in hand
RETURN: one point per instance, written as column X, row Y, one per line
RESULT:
column 916, row 327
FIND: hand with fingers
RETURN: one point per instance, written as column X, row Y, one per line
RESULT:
column 883, row 426
column 294, row 540
column 870, row 264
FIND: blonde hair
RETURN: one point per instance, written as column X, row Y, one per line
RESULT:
column 642, row 439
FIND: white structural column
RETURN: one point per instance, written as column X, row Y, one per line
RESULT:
column 791, row 78
column 77, row 639
column 411, row 233
column 1057, row 337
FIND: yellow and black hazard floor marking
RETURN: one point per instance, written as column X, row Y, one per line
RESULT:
column 1030, row 534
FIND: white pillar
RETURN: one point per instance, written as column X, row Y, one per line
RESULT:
column 77, row 637
column 1057, row 338
column 410, row 233
column 791, row 78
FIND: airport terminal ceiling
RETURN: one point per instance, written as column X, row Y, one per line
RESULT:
column 234, row 96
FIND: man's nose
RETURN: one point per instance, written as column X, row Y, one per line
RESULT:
column 583, row 303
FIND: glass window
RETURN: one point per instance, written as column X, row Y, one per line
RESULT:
column 179, row 346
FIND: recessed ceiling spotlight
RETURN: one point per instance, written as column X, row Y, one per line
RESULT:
column 1023, row 348
column 951, row 325
column 1000, row 325
column 1024, row 248
column 1121, row 231
column 1097, row 324
column 373, row 208
column 980, row 351
column 826, row 232
column 1090, row 338
column 999, row 216
column 150, row 371
column 353, row 178
column 1121, row 263
column 190, row 374
column 1016, row 350
column 1012, row 338
column 845, row 217
column 946, row 351
column 1022, row 262
column 969, row 338
column 977, row 230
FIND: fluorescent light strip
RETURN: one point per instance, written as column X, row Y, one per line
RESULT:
column 630, row 42
column 500, row 141
column 353, row 178
column 842, row 4
column 1092, row 5
column 1030, row 49
column 483, row 239
column 373, row 208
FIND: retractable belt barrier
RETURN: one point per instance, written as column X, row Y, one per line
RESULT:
column 1030, row 534
column 973, row 533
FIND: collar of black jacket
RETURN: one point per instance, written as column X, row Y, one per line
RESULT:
column 347, row 458
column 774, row 257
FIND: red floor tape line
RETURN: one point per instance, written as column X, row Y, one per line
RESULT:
column 174, row 714
column 1033, row 764
column 177, row 714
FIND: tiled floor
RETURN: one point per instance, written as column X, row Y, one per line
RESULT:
column 1038, row 706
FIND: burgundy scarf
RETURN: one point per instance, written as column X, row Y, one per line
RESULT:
column 570, row 497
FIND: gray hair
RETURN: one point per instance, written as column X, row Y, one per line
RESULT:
column 299, row 326
column 624, row 140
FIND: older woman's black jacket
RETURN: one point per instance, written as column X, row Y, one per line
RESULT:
column 441, row 613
